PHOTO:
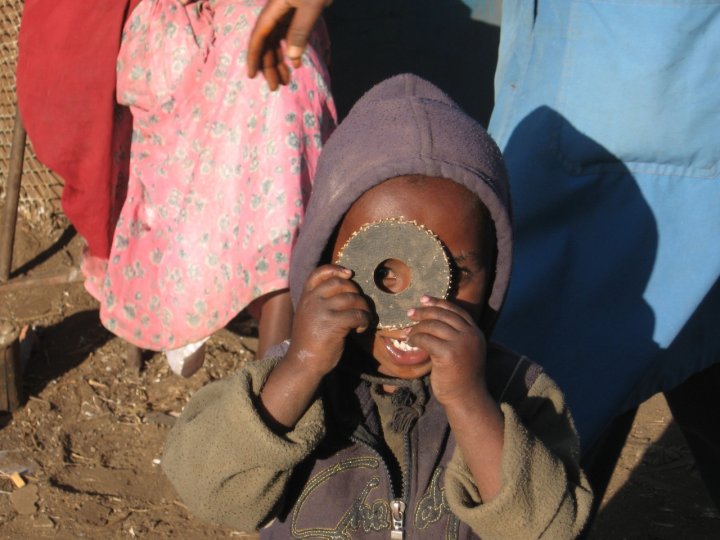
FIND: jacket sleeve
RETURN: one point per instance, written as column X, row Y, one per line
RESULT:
column 224, row 461
column 544, row 492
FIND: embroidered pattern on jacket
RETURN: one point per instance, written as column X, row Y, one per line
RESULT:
column 361, row 515
column 433, row 505
column 452, row 529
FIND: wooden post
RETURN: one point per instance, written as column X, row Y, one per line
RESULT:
column 10, row 371
column 12, row 197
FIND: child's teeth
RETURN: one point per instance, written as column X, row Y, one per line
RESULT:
column 402, row 345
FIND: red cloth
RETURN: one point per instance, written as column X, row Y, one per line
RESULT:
column 66, row 96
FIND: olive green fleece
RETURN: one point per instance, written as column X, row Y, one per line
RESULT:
column 230, row 468
column 226, row 464
column 540, row 454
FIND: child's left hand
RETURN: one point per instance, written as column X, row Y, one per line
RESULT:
column 456, row 346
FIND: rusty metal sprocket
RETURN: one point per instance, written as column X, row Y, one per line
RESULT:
column 405, row 241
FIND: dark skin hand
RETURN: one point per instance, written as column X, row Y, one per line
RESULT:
column 331, row 306
column 457, row 349
column 451, row 337
column 292, row 20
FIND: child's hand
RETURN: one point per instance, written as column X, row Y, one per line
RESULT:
column 330, row 307
column 458, row 352
column 456, row 346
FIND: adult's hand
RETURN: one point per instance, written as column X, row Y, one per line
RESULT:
column 290, row 19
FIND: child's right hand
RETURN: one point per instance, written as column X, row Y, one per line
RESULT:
column 330, row 307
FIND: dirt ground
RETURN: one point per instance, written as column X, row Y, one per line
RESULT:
column 88, row 438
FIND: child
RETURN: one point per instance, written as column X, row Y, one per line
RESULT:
column 220, row 174
column 355, row 432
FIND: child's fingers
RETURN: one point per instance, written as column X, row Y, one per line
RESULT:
column 324, row 273
column 444, row 343
column 330, row 289
column 433, row 345
column 357, row 319
column 440, row 324
column 448, row 313
column 435, row 328
column 353, row 308
column 346, row 300
column 429, row 301
column 338, row 313
column 335, row 286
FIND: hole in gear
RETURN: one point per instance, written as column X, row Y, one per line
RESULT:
column 392, row 276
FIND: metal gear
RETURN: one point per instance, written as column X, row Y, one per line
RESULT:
column 408, row 242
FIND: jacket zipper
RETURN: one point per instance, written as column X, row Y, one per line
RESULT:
column 397, row 513
column 397, row 505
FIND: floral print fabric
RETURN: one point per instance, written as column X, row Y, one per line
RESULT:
column 220, row 172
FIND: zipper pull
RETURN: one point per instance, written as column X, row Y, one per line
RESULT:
column 397, row 512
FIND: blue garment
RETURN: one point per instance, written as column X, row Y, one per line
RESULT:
column 608, row 114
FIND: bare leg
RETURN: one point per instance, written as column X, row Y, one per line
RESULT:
column 134, row 356
column 275, row 320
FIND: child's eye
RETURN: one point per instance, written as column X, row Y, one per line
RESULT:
column 456, row 270
column 462, row 276
column 392, row 276
column 385, row 275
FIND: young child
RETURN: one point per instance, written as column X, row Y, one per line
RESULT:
column 220, row 173
column 428, row 431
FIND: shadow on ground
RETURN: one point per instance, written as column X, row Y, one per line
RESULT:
column 662, row 496
column 63, row 346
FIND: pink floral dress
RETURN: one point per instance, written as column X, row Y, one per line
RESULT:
column 221, row 170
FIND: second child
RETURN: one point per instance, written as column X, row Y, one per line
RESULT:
column 220, row 174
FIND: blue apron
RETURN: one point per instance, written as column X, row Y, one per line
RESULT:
column 608, row 114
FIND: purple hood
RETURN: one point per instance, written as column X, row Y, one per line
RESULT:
column 404, row 125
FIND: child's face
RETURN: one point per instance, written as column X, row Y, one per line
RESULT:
column 455, row 215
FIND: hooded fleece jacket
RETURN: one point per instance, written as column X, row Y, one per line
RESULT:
column 360, row 463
